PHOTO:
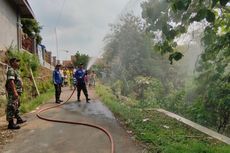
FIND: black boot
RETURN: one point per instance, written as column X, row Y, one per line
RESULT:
column 78, row 99
column 13, row 126
column 87, row 100
column 57, row 99
column 20, row 120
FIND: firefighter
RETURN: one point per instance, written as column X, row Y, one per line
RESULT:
column 57, row 81
column 80, row 75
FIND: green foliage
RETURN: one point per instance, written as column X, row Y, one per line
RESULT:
column 116, row 88
column 195, row 147
column 27, row 60
column 210, row 17
column 155, row 13
column 32, row 28
column 191, row 11
column 27, row 107
column 204, row 13
column 223, row 2
column 164, row 47
column 213, row 66
column 180, row 5
column 148, row 88
column 176, row 56
column 121, row 55
column 160, row 133
column 81, row 59
column 130, row 58
column 43, row 86
column 175, row 102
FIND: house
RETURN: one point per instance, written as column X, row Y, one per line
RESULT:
column 11, row 12
column 11, row 34
column 68, row 64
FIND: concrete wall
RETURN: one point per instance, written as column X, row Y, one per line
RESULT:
column 8, row 25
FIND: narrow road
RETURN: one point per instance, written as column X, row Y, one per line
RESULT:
column 38, row 136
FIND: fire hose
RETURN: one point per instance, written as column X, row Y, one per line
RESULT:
column 76, row 123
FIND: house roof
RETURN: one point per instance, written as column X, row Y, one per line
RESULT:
column 67, row 63
column 24, row 8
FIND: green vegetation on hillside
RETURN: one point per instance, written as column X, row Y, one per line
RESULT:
column 159, row 133
column 29, row 99
column 146, row 61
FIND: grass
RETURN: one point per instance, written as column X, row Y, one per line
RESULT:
column 29, row 106
column 158, row 132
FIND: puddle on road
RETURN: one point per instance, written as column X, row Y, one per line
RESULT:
column 95, row 108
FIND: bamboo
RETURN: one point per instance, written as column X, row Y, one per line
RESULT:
column 34, row 82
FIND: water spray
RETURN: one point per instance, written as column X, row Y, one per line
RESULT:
column 91, row 62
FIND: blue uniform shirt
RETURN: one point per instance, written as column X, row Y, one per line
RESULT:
column 79, row 75
column 57, row 77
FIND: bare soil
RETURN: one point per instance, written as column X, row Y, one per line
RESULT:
column 6, row 135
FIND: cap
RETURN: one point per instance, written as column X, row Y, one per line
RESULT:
column 14, row 59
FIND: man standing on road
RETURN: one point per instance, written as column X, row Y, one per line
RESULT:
column 81, row 84
column 14, row 90
column 57, row 81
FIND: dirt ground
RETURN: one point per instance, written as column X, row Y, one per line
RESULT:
column 6, row 136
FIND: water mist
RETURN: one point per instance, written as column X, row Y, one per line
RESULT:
column 91, row 62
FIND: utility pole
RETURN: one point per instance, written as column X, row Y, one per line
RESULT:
column 56, row 44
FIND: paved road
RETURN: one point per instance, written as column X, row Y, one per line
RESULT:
column 38, row 136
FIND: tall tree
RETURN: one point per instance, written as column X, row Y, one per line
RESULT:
column 81, row 59
column 214, row 75
column 129, row 55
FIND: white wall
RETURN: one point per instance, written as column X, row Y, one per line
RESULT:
column 8, row 25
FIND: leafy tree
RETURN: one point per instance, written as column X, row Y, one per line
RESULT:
column 32, row 28
column 129, row 54
column 81, row 59
column 127, row 51
column 213, row 66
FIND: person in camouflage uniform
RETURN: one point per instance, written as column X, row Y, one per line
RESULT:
column 14, row 90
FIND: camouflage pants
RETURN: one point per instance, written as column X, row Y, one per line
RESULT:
column 12, row 107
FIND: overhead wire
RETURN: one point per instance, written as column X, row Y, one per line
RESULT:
column 55, row 28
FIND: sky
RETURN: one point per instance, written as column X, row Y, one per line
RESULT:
column 78, row 25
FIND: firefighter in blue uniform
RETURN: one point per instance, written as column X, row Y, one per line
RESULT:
column 80, row 82
column 57, row 81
